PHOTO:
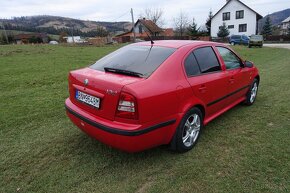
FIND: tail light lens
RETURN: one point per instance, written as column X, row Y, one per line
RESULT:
column 127, row 106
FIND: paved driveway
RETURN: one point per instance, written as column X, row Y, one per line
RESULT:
column 278, row 45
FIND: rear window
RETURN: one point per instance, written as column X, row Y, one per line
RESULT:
column 207, row 60
column 191, row 65
column 140, row 59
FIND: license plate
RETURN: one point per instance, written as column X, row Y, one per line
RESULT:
column 88, row 99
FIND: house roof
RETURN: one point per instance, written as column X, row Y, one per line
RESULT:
column 150, row 25
column 286, row 20
column 228, row 1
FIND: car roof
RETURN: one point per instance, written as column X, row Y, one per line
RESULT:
column 176, row 43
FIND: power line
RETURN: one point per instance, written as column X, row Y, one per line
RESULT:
column 126, row 13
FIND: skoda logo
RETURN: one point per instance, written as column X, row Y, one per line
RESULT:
column 86, row 82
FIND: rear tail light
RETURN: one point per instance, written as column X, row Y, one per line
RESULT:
column 127, row 106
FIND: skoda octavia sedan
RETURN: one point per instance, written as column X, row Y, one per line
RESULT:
column 147, row 94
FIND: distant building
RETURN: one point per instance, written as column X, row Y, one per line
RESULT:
column 74, row 39
column 167, row 32
column 31, row 38
column 144, row 28
column 238, row 17
column 285, row 26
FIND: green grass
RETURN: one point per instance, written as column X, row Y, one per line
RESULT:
column 245, row 150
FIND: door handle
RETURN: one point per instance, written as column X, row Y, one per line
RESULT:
column 231, row 80
column 202, row 88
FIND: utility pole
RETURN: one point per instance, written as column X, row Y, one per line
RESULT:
column 133, row 29
column 5, row 33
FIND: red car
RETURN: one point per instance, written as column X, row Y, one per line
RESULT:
column 144, row 95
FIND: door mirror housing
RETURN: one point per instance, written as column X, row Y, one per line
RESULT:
column 248, row 64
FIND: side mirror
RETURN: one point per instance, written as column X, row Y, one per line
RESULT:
column 248, row 64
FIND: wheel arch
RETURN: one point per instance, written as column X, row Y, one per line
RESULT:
column 258, row 78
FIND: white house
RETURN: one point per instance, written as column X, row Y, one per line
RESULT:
column 238, row 17
column 285, row 26
column 74, row 39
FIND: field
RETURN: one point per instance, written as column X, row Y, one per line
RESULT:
column 245, row 150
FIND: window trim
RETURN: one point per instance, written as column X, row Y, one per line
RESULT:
column 238, row 13
column 225, row 14
column 241, row 61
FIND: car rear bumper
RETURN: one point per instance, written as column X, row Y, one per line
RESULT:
column 127, row 137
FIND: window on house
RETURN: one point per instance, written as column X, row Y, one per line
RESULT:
column 140, row 29
column 240, row 14
column 243, row 28
column 207, row 60
column 226, row 16
column 231, row 27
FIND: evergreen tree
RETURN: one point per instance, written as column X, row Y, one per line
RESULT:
column 223, row 31
column 267, row 28
column 208, row 22
column 192, row 29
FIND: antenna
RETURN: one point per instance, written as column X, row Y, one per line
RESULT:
column 149, row 38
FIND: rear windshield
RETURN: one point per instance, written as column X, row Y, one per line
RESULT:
column 259, row 38
column 139, row 59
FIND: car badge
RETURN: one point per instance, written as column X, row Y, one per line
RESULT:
column 86, row 82
column 111, row 92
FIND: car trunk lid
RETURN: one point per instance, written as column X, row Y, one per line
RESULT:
column 105, row 86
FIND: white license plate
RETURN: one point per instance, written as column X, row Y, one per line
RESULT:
column 88, row 99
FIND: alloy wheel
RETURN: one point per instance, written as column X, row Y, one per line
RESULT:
column 191, row 130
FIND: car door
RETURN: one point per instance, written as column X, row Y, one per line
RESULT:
column 207, row 79
column 238, row 77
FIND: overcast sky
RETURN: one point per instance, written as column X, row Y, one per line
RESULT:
column 109, row 10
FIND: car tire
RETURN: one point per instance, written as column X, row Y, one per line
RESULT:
column 252, row 93
column 232, row 43
column 188, row 131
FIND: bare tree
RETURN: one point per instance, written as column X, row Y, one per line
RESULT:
column 154, row 14
column 181, row 23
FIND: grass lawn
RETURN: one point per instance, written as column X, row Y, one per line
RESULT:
column 245, row 150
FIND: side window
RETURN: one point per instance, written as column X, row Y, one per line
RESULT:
column 207, row 60
column 191, row 66
column 230, row 59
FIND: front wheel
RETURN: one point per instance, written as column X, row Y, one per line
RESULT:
column 232, row 43
column 188, row 131
column 252, row 93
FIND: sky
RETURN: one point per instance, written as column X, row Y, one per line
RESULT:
column 113, row 11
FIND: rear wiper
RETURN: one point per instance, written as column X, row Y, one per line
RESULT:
column 120, row 71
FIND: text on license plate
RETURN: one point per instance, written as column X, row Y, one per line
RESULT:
column 88, row 99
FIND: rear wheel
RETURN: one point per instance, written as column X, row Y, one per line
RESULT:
column 188, row 131
column 252, row 93
column 232, row 43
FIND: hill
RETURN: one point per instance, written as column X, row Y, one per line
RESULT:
column 56, row 25
column 276, row 18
